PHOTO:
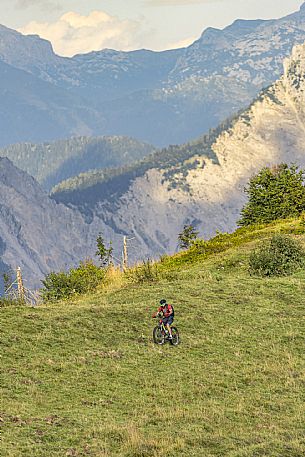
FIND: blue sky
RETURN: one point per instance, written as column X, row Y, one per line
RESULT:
column 75, row 26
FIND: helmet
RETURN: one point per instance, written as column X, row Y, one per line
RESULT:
column 162, row 302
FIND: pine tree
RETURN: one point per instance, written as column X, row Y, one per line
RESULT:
column 104, row 253
column 187, row 237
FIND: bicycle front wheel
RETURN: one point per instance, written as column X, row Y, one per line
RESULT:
column 158, row 336
column 176, row 338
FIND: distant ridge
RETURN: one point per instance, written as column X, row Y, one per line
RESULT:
column 51, row 163
column 202, row 182
column 161, row 98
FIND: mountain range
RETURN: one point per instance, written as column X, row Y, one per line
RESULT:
column 162, row 98
column 203, row 182
column 200, row 182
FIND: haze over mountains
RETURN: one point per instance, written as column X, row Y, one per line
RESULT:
column 158, row 97
column 205, row 186
column 200, row 182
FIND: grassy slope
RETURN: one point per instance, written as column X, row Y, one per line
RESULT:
column 84, row 378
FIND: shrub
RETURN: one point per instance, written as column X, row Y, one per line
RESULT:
column 10, row 301
column 85, row 278
column 280, row 256
column 274, row 193
column 145, row 272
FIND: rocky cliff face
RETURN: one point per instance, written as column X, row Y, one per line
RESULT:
column 271, row 131
column 38, row 234
column 211, row 196
column 25, row 52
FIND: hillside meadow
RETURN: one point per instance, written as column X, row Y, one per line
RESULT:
column 83, row 377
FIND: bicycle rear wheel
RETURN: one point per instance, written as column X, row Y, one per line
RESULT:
column 158, row 336
column 176, row 338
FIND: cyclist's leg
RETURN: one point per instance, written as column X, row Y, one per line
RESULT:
column 169, row 330
column 169, row 322
column 164, row 321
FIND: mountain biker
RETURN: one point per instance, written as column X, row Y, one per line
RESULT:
column 167, row 312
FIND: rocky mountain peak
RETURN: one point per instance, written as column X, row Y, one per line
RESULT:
column 242, row 27
column 295, row 63
column 294, row 74
column 302, row 8
column 212, row 37
column 27, row 52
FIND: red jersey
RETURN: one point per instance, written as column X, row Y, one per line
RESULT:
column 167, row 310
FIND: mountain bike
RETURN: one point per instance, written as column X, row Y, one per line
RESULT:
column 161, row 334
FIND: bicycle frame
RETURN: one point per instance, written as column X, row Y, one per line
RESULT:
column 163, row 326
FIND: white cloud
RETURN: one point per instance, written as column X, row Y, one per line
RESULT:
column 74, row 33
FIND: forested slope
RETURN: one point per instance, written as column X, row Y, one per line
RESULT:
column 51, row 163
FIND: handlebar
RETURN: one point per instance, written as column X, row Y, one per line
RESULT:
column 158, row 315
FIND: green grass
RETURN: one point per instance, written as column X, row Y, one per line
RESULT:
column 83, row 378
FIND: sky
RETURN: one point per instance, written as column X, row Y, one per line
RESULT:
column 81, row 26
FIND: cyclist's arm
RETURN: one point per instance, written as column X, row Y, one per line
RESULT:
column 157, row 312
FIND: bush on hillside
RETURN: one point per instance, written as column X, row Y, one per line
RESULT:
column 82, row 279
column 145, row 272
column 10, row 301
column 274, row 193
column 280, row 256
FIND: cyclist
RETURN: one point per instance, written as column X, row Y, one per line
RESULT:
column 167, row 312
